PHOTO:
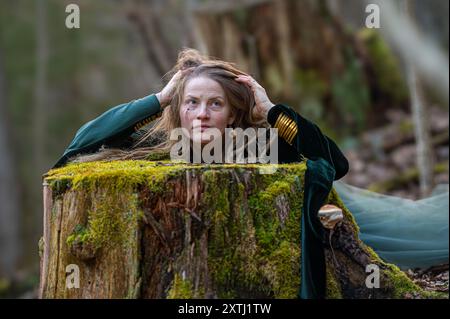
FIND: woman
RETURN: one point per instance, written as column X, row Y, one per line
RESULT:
column 215, row 94
column 212, row 91
column 219, row 95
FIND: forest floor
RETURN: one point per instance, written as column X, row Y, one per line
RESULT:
column 382, row 155
column 431, row 279
column 385, row 154
column 385, row 159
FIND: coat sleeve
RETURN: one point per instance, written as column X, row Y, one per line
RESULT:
column 113, row 126
column 302, row 137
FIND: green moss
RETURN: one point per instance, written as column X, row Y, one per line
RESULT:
column 113, row 175
column 333, row 290
column 395, row 279
column 114, row 214
column 41, row 246
column 113, row 222
column 134, row 291
column 180, row 289
column 60, row 186
column 250, row 248
column 400, row 283
column 123, row 174
column 80, row 234
column 215, row 200
column 275, row 189
column 110, row 221
column 158, row 156
column 215, row 194
column 403, row 287
column 283, row 270
column 253, row 223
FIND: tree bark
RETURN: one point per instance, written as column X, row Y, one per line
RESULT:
column 139, row 229
column 304, row 56
column 10, row 244
column 148, row 23
column 39, row 117
column 425, row 159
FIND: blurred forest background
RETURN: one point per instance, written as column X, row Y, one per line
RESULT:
column 381, row 94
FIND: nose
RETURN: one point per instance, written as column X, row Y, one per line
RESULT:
column 203, row 112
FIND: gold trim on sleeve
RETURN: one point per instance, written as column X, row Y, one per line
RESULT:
column 287, row 127
column 146, row 121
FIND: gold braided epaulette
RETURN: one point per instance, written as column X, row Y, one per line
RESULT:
column 146, row 121
column 287, row 128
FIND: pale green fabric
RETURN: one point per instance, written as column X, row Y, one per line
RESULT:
column 410, row 234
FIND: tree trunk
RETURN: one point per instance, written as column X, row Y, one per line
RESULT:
column 139, row 229
column 10, row 212
column 148, row 19
column 40, row 110
column 40, row 107
column 304, row 56
column 425, row 160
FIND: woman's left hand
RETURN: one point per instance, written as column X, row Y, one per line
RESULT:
column 263, row 104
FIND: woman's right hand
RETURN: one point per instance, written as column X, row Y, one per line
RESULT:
column 262, row 101
column 166, row 94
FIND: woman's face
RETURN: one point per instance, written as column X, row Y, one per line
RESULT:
column 204, row 100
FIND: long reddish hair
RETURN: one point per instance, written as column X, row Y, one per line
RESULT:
column 239, row 97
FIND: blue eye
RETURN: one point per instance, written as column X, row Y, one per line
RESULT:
column 217, row 103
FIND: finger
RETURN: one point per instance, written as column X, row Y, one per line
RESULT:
column 240, row 78
column 182, row 73
column 175, row 77
column 188, row 70
column 244, row 80
column 254, row 82
column 251, row 81
column 246, row 83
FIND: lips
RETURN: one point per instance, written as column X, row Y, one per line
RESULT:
column 202, row 127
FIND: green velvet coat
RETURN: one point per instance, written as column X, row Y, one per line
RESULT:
column 325, row 163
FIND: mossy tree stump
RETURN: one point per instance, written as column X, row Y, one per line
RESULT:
column 140, row 229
